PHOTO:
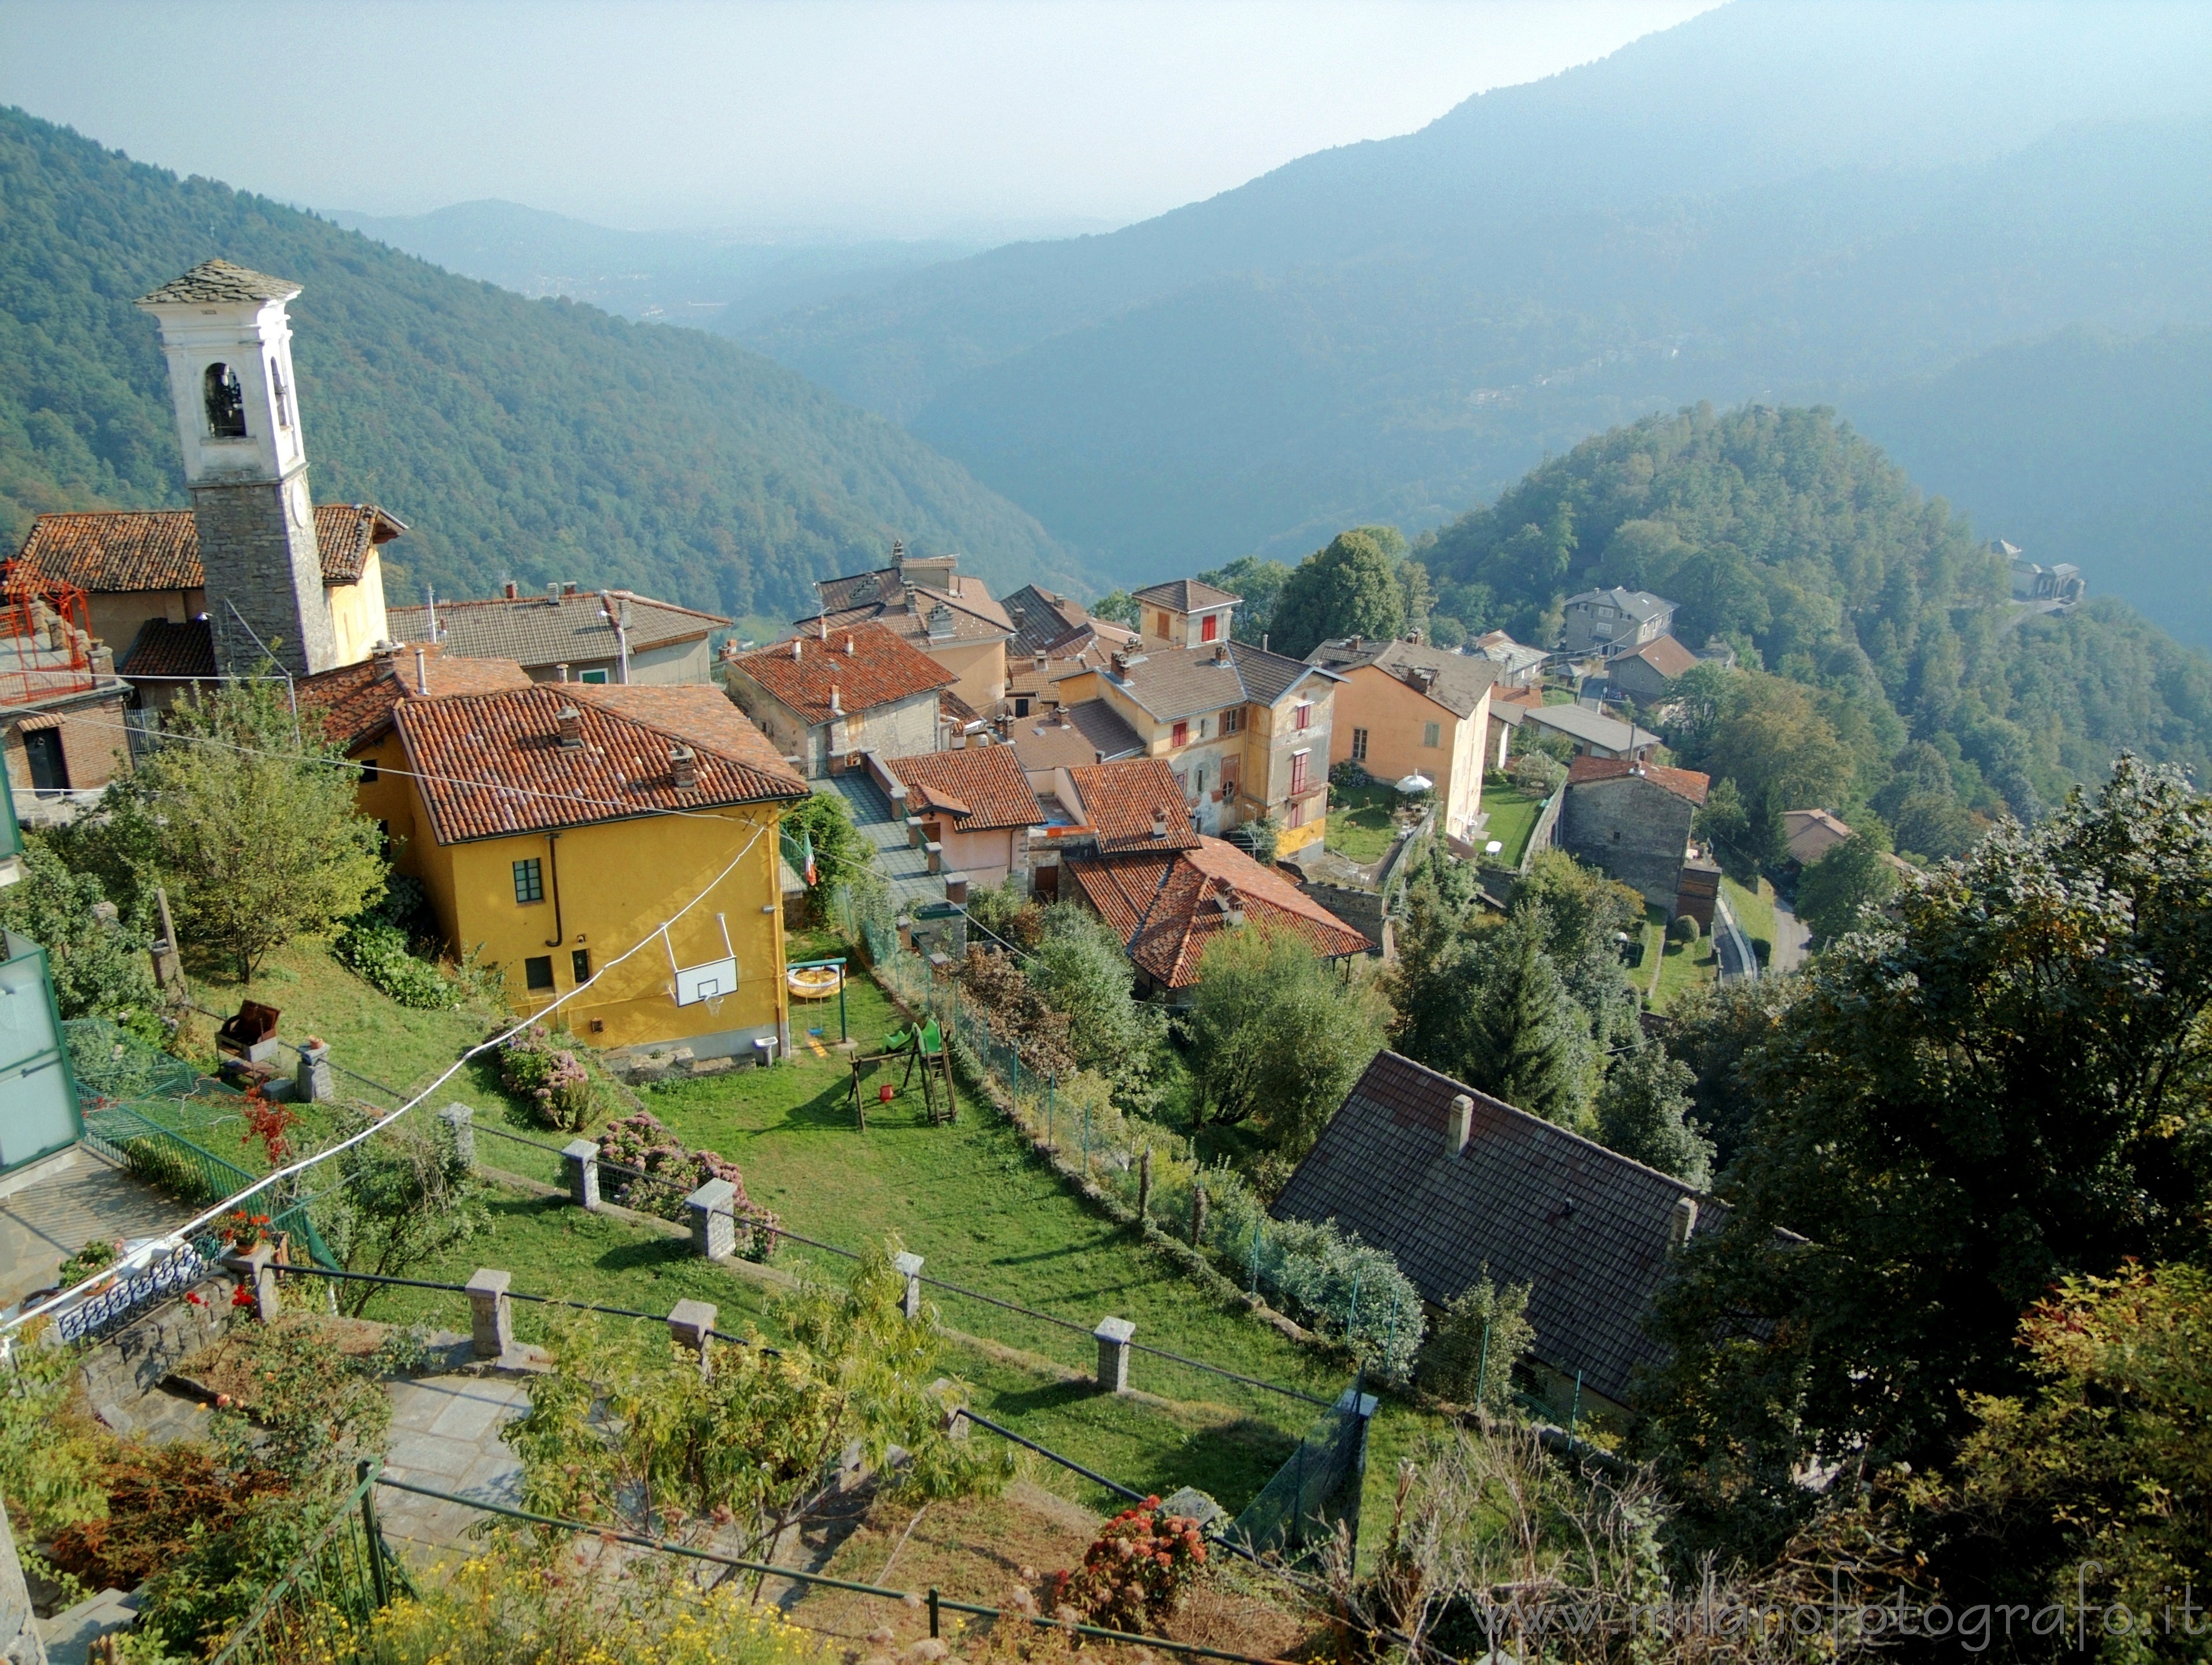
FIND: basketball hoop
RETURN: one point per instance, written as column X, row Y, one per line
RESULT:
column 713, row 1005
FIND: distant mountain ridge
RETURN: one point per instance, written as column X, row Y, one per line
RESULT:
column 1780, row 199
column 534, row 440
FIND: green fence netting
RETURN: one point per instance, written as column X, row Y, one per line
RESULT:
column 1319, row 1485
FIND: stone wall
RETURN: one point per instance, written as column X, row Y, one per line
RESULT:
column 95, row 747
column 20, row 1641
column 261, row 560
column 1633, row 828
column 131, row 1362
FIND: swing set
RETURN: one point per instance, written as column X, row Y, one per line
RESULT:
column 922, row 1046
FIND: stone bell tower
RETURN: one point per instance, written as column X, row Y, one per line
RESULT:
column 229, row 347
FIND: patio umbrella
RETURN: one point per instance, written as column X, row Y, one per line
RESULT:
column 1415, row 782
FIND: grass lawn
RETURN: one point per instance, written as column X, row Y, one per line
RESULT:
column 1513, row 815
column 1649, row 967
column 1359, row 824
column 1753, row 910
column 1683, row 967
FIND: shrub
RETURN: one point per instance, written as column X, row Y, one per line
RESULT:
column 1137, row 1571
column 94, row 1256
column 552, row 1079
column 378, row 951
column 1683, row 927
column 670, row 1173
column 1484, row 1332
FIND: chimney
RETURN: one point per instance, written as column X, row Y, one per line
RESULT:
column 509, row 590
column 798, row 647
column 569, row 587
column 563, row 669
column 1221, row 652
column 384, row 656
column 553, row 593
column 1232, row 906
column 1039, row 660
column 570, row 723
column 1160, row 823
column 1461, row 1127
column 422, row 672
column 1414, row 637
column 835, row 709
column 1685, row 1221
column 848, row 646
column 684, row 765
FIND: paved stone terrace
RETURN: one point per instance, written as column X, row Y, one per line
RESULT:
column 54, row 1208
column 905, row 867
column 445, row 1433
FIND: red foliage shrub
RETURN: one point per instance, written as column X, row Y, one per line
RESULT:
column 1136, row 1572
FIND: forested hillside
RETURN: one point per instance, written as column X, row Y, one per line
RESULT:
column 536, row 440
column 1780, row 200
column 1790, row 535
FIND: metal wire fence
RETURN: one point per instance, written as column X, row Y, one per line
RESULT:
column 321, row 1606
column 1291, row 1510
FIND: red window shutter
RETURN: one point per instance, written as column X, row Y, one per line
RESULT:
column 1301, row 715
column 1211, row 628
column 1181, row 735
column 1297, row 773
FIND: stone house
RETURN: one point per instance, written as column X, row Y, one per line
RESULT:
column 1459, row 1186
column 1632, row 822
column 568, row 635
column 929, row 604
column 1593, row 734
column 827, row 702
column 1644, row 674
column 1610, row 622
column 1405, row 708
column 62, row 724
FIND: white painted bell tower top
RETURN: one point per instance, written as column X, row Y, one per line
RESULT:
column 229, row 347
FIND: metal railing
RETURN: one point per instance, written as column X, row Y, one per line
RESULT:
column 325, row 1602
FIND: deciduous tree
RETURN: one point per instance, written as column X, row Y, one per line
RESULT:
column 1349, row 588
column 1642, row 1112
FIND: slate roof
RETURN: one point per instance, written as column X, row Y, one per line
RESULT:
column 1175, row 683
column 1041, row 617
column 1170, row 905
column 490, row 765
column 881, row 668
column 1586, row 1228
column 1580, row 722
column 126, row 551
column 1663, row 655
column 1682, row 782
column 1639, row 604
column 1185, row 595
column 538, row 631
column 217, row 281
column 169, row 651
column 882, row 596
column 356, row 703
column 1459, row 684
column 1119, row 798
column 1079, row 735
column 980, row 787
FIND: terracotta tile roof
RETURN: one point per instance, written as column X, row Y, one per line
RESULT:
column 1587, row 1228
column 538, row 631
column 699, row 714
column 1173, row 682
column 1079, row 735
column 980, row 787
column 167, row 650
column 356, row 703
column 867, row 666
column 1665, row 655
column 518, row 778
column 1682, row 782
column 123, row 551
column 1185, row 595
column 1119, row 798
column 219, row 281
column 1168, row 906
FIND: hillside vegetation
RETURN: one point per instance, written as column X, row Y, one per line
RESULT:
column 536, row 440
column 1787, row 533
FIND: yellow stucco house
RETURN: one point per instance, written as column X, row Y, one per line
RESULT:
column 556, row 826
column 1405, row 708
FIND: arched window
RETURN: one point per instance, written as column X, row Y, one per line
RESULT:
column 283, row 395
column 226, row 402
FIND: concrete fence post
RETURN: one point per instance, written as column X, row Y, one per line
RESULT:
column 491, row 1313
column 691, row 1325
column 956, row 1416
column 461, row 1125
column 311, row 1081
column 251, row 1269
column 908, row 1265
column 1112, row 1334
column 714, row 1219
column 579, row 1165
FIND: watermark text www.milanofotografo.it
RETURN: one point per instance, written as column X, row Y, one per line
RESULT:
column 1845, row 1621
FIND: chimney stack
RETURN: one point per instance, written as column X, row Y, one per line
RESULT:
column 1221, row 652
column 848, row 647
column 1461, row 1127
column 684, row 764
column 570, row 722
column 509, row 590
column 1160, row 823
column 384, row 656
column 553, row 593
column 1685, row 1221
column 798, row 647
column 422, row 672
column 835, row 709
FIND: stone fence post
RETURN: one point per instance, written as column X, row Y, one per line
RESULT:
column 252, row 1271
column 714, row 1219
column 691, row 1325
column 908, row 1265
column 491, row 1315
column 579, row 1165
column 1113, row 1335
column 461, row 1125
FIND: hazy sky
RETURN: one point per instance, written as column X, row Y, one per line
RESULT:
column 896, row 117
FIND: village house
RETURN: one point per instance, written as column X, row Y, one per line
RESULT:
column 1167, row 890
column 976, row 808
column 553, row 827
column 1610, row 622
column 568, row 635
column 1245, row 731
column 1459, row 1186
column 1405, row 708
column 1645, row 674
column 827, row 701
column 1811, row 833
column 1593, row 734
column 1632, row 822
column 1518, row 666
column 62, row 721
column 925, row 601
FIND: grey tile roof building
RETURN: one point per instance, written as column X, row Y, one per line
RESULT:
column 1459, row 681
column 1588, row 1230
column 1172, row 682
column 1184, row 595
column 536, row 631
column 1088, row 731
column 217, row 281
